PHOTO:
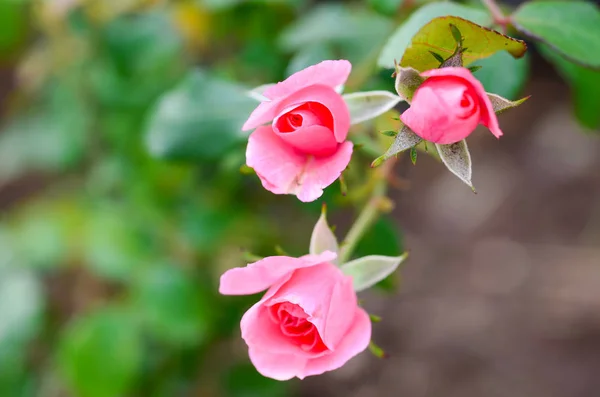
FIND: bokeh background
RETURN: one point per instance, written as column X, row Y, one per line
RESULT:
column 123, row 198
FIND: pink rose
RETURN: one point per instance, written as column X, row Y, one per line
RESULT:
column 307, row 323
column 448, row 106
column 304, row 149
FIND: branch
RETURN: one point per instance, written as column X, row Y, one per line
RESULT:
column 369, row 213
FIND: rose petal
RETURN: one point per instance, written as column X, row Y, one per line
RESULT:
column 264, row 113
column 488, row 116
column 328, row 98
column 434, row 120
column 323, row 171
column 260, row 275
column 277, row 366
column 284, row 170
column 326, row 295
column 354, row 342
column 316, row 140
column 329, row 73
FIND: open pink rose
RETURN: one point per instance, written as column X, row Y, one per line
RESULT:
column 307, row 323
column 448, row 106
column 304, row 149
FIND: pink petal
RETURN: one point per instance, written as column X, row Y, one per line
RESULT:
column 321, row 172
column 260, row 332
column 261, row 275
column 264, row 113
column 283, row 170
column 488, row 116
column 326, row 295
column 327, row 97
column 434, row 120
column 354, row 342
column 277, row 164
column 329, row 73
column 316, row 140
column 277, row 366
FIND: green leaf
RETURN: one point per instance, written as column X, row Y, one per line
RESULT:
column 479, row 42
column 50, row 136
column 100, row 354
column 367, row 105
column 413, row 155
column 502, row 74
column 585, row 86
column 110, row 245
column 201, row 119
column 437, row 56
column 382, row 238
column 386, row 7
column 355, row 32
column 401, row 39
column 21, row 305
column 244, row 381
column 13, row 25
column 172, row 307
column 570, row 27
column 371, row 269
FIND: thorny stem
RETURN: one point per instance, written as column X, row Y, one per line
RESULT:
column 497, row 14
column 370, row 212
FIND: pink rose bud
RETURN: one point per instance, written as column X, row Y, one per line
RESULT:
column 307, row 323
column 304, row 149
column 448, row 106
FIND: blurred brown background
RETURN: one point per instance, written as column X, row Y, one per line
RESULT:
column 501, row 294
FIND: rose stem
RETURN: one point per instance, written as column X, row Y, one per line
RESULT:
column 496, row 12
column 370, row 212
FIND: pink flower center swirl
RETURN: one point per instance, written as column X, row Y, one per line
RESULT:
column 294, row 324
column 308, row 128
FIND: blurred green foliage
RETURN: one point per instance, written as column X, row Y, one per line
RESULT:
column 120, row 187
column 110, row 257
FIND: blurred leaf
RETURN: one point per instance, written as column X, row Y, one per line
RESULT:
column 357, row 31
column 13, row 25
column 381, row 239
column 502, row 74
column 21, row 305
column 13, row 371
column 50, row 136
column 143, row 57
column 199, row 120
column 437, row 35
column 244, row 381
column 110, row 244
column 570, row 27
column 100, row 354
column 21, row 310
column 401, row 39
column 172, row 307
column 386, row 7
column 585, row 85
column 309, row 55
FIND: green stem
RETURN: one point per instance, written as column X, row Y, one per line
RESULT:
column 369, row 213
